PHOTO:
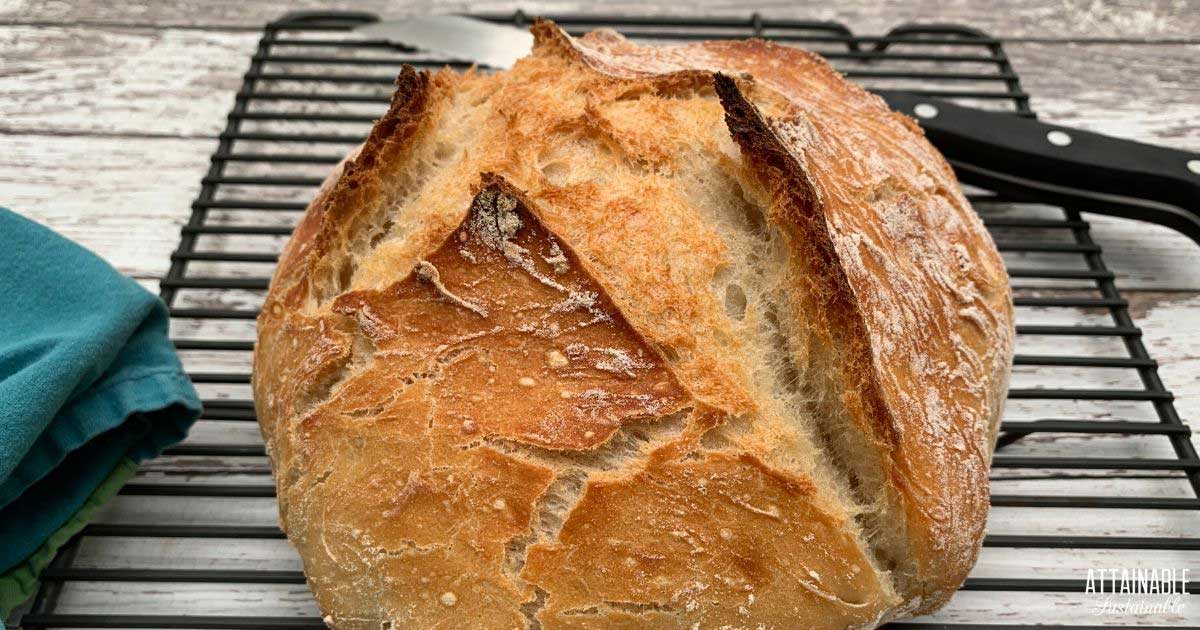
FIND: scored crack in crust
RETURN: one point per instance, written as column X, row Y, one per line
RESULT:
column 700, row 336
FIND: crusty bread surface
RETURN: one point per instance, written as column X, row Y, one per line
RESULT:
column 632, row 337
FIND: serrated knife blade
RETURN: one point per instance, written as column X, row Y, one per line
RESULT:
column 460, row 38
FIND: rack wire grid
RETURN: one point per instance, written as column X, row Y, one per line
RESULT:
column 192, row 541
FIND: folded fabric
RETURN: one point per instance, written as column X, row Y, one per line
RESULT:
column 89, row 385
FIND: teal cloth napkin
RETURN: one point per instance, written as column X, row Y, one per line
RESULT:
column 89, row 385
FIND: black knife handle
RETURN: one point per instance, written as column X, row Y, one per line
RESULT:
column 1060, row 156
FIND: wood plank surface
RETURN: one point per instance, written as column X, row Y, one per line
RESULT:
column 104, row 78
column 1081, row 19
column 109, row 111
column 114, row 81
column 1144, row 93
column 124, row 198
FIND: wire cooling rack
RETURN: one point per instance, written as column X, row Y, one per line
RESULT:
column 1095, row 469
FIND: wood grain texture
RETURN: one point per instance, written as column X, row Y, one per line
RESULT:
column 294, row 601
column 1127, row 19
column 107, row 81
column 179, row 82
column 1145, row 93
column 91, row 93
column 126, row 212
column 1172, row 325
column 134, row 83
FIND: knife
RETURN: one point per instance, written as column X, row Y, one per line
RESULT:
column 1062, row 156
column 1017, row 156
column 456, row 36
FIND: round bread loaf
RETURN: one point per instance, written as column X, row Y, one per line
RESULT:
column 632, row 337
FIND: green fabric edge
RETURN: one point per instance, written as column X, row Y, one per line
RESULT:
column 20, row 582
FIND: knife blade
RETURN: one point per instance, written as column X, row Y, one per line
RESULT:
column 462, row 38
column 989, row 148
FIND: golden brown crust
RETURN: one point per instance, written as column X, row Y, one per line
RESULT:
column 318, row 242
column 389, row 533
column 534, row 351
column 897, row 249
column 632, row 337
column 905, row 254
column 710, row 539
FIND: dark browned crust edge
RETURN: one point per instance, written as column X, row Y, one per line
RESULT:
column 802, row 211
column 326, row 218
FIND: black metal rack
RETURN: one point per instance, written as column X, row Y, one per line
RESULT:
column 310, row 95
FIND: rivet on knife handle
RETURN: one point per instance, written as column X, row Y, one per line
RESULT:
column 1059, row 156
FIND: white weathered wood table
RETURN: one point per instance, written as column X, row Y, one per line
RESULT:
column 109, row 111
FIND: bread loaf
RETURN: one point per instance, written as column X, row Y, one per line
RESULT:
column 632, row 337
